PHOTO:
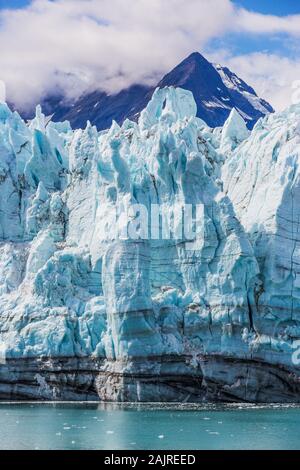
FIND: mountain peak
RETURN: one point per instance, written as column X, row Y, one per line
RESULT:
column 216, row 90
column 195, row 56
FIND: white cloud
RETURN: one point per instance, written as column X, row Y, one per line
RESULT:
column 267, row 24
column 80, row 44
column 110, row 43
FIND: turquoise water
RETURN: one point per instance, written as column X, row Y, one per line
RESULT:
column 109, row 426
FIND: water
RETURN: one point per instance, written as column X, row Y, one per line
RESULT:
column 110, row 426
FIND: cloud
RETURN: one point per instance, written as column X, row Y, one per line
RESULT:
column 267, row 24
column 75, row 45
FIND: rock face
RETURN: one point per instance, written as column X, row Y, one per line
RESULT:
column 156, row 261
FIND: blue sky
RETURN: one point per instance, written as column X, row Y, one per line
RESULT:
column 13, row 3
column 274, row 7
column 279, row 43
column 80, row 44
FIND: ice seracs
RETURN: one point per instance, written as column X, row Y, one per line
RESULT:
column 234, row 132
column 143, row 317
column 261, row 177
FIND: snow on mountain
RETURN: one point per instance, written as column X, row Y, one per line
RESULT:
column 101, row 301
column 246, row 100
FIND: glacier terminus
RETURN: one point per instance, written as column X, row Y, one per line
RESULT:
column 150, row 319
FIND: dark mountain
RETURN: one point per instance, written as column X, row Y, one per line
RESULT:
column 101, row 109
column 216, row 91
column 215, row 88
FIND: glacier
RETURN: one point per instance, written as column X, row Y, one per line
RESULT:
column 87, row 314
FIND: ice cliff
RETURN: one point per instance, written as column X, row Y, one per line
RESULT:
column 89, row 310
